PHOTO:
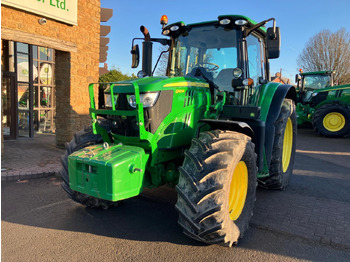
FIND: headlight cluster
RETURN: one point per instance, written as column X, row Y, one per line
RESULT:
column 147, row 99
column 108, row 100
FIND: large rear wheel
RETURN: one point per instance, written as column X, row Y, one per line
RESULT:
column 81, row 140
column 332, row 120
column 217, row 187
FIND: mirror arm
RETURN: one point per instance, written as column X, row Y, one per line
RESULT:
column 248, row 31
column 162, row 41
column 132, row 42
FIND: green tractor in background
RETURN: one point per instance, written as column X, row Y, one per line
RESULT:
column 323, row 104
column 213, row 127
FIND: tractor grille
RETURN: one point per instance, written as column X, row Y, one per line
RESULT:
column 127, row 125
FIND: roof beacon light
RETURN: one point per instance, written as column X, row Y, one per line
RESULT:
column 164, row 20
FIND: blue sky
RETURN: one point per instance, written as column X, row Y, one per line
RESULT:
column 298, row 21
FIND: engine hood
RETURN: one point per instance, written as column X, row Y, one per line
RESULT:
column 151, row 84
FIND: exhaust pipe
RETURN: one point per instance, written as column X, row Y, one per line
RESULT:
column 146, row 52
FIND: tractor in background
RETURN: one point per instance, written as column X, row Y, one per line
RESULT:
column 214, row 128
column 323, row 104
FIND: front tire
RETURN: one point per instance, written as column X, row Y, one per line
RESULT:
column 332, row 120
column 284, row 146
column 217, row 187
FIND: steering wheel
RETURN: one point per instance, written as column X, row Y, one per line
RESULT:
column 215, row 66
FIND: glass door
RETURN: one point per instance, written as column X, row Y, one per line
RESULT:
column 24, row 90
column 8, row 104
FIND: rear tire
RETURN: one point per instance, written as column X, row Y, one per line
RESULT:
column 217, row 187
column 284, row 146
column 81, row 139
column 332, row 120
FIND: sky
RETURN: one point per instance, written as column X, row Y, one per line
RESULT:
column 299, row 20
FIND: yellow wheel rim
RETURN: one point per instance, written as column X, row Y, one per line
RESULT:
column 287, row 145
column 334, row 122
column 238, row 190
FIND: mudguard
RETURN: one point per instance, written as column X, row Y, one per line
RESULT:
column 282, row 92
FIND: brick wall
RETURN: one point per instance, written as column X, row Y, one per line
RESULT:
column 75, row 68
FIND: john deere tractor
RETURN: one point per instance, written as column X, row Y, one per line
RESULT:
column 213, row 127
column 323, row 104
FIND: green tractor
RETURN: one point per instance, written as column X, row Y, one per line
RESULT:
column 214, row 127
column 323, row 104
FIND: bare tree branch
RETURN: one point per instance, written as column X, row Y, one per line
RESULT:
column 328, row 51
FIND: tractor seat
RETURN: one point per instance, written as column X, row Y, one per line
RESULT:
column 224, row 79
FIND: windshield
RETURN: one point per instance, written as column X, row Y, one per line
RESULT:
column 316, row 81
column 211, row 49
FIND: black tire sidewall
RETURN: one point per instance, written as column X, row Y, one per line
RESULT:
column 278, row 178
column 321, row 113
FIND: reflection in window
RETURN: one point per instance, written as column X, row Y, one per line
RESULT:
column 45, row 96
column 254, row 59
column 23, row 68
column 23, row 96
column 35, row 72
column 23, row 123
column 6, row 105
column 316, row 82
column 23, row 48
column 43, row 121
column 46, row 74
column 46, row 54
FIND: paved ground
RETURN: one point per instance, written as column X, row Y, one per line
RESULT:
column 30, row 158
column 39, row 223
column 315, row 207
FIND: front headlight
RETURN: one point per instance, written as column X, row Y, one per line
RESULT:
column 108, row 100
column 237, row 72
column 147, row 99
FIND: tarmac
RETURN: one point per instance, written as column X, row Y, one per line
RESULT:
column 318, row 220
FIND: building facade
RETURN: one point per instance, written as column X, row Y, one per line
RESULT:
column 47, row 61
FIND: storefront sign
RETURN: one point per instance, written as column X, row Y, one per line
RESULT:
column 61, row 10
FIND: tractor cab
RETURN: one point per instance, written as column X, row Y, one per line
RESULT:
column 309, row 82
column 231, row 54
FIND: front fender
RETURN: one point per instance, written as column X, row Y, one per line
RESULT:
column 272, row 98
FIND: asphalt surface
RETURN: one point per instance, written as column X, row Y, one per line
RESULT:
column 39, row 223
column 307, row 221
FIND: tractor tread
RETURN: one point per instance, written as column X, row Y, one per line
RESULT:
column 204, row 185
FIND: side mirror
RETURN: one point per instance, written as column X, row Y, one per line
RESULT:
column 135, row 52
column 273, row 42
column 297, row 79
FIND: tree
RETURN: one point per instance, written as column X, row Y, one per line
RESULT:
column 115, row 75
column 328, row 51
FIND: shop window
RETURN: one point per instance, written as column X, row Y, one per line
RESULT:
column 28, row 89
column 44, row 89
